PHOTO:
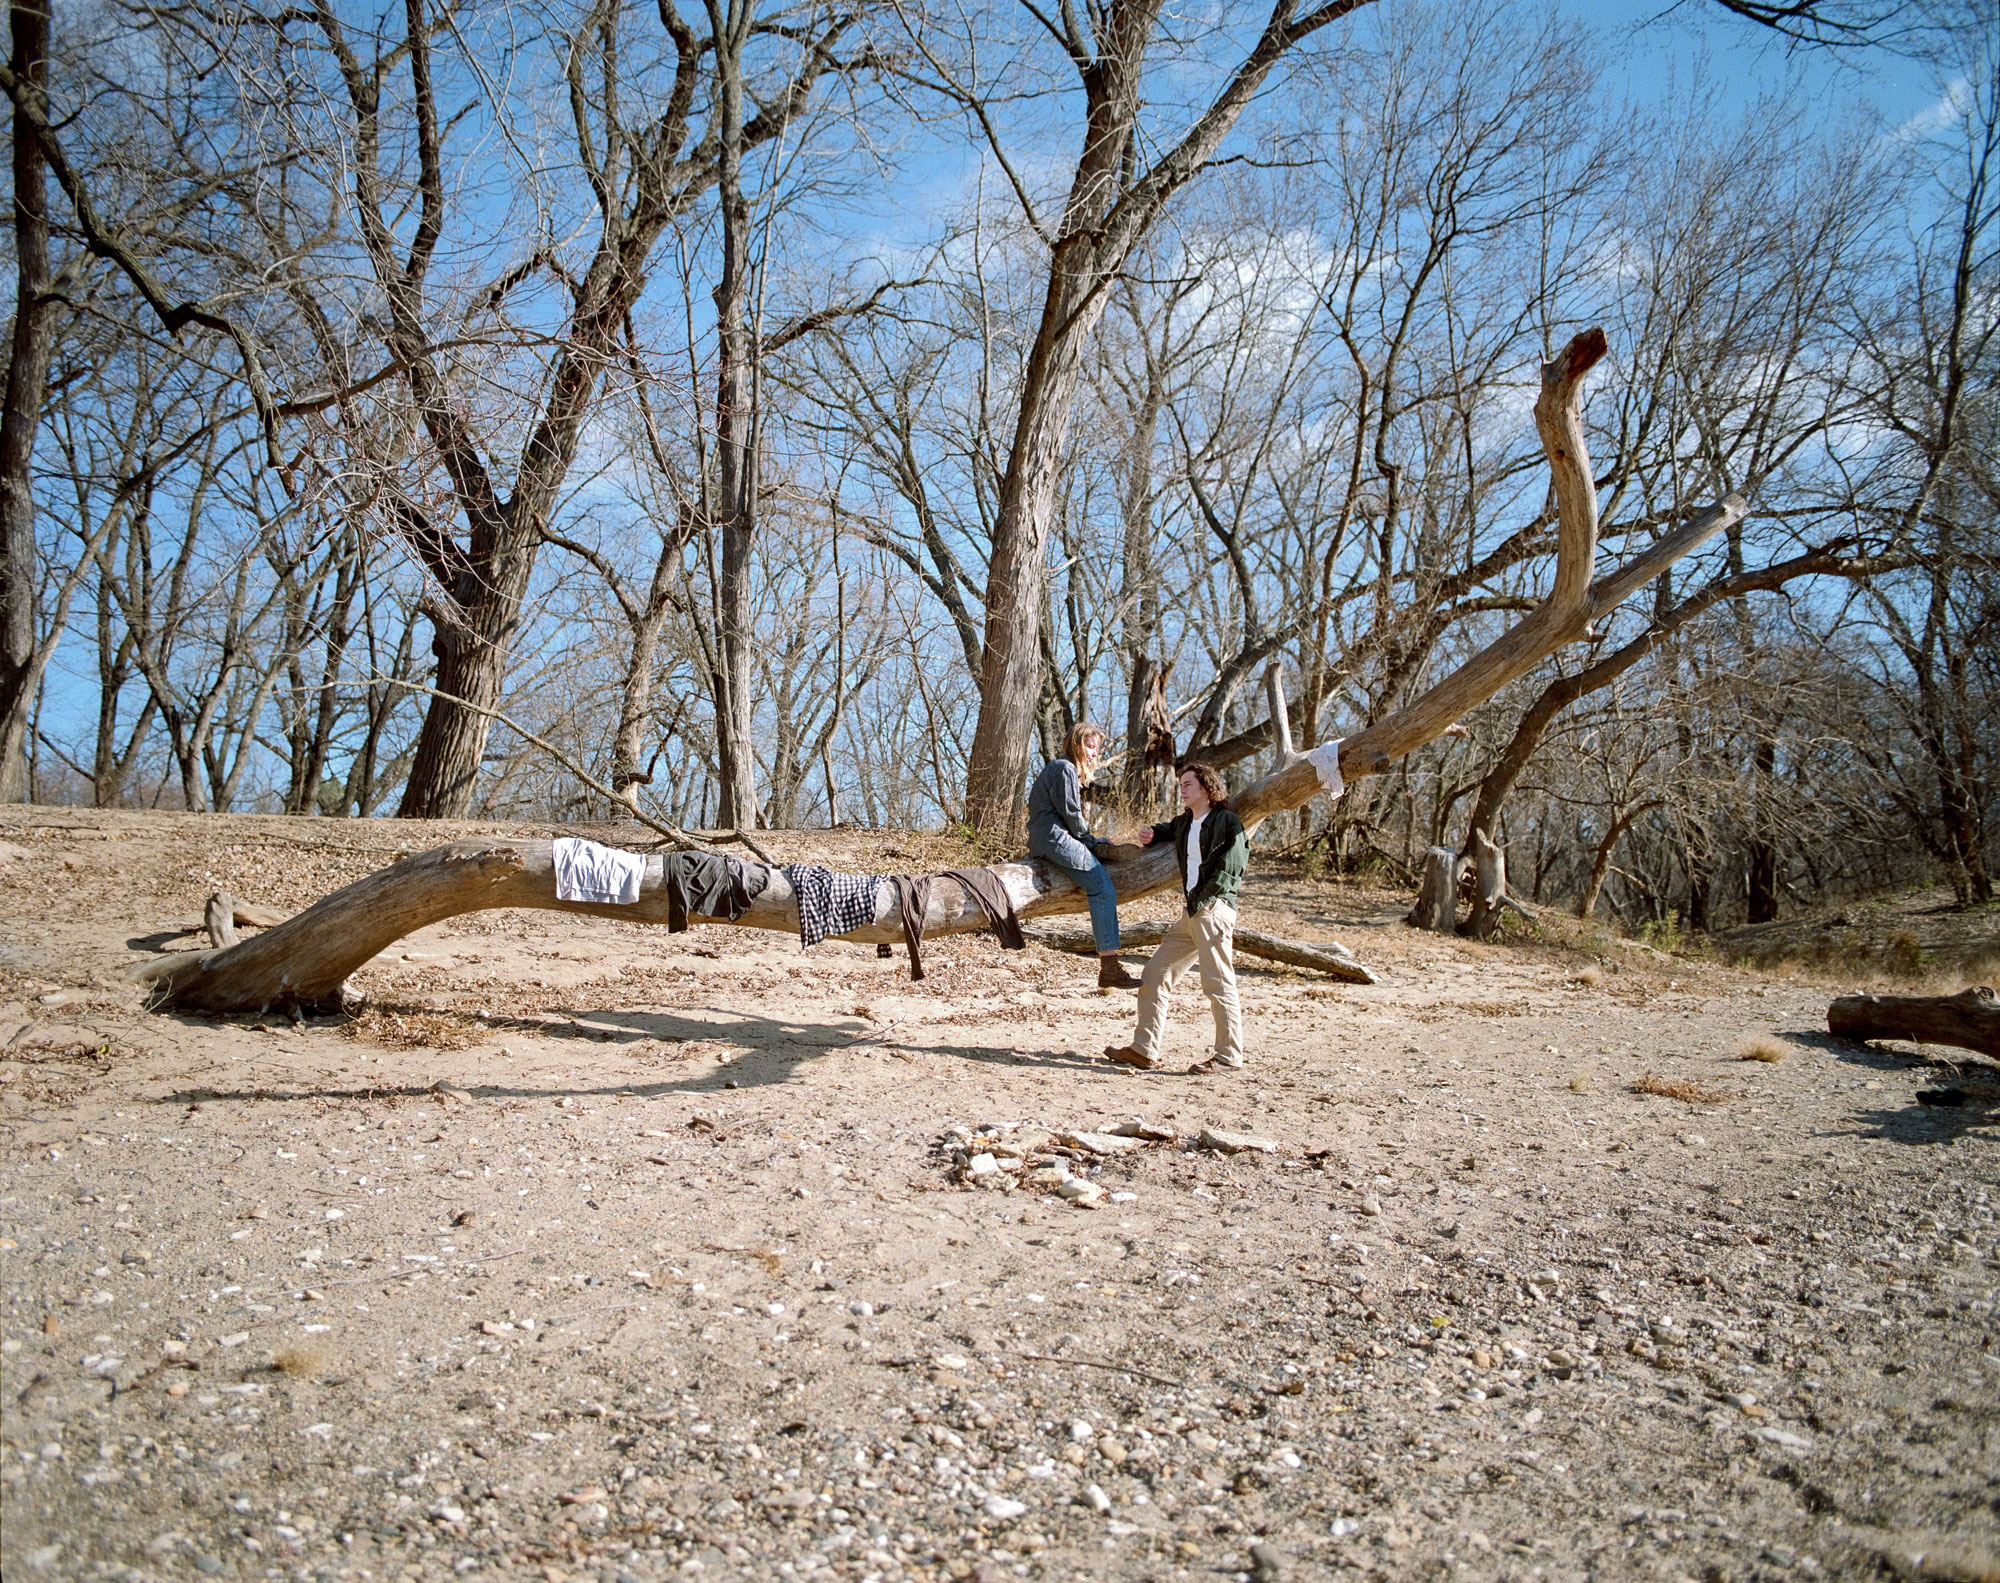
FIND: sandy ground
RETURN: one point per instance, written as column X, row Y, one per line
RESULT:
column 590, row 1252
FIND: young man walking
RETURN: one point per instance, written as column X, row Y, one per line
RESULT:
column 1211, row 849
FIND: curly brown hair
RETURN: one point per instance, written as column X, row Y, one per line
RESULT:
column 1211, row 782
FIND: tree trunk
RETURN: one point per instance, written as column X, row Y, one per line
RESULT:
column 1113, row 203
column 628, row 748
column 20, row 419
column 1970, row 1019
column 305, row 796
column 1145, row 700
column 1763, row 878
column 1600, row 861
column 735, row 435
column 472, row 654
column 1489, row 896
column 1010, row 665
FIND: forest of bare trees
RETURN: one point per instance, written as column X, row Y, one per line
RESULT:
column 804, row 413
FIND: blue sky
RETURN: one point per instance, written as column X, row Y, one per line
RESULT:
column 1656, row 50
column 1670, row 44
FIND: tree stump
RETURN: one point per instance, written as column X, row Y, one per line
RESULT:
column 1437, row 902
column 1970, row 1019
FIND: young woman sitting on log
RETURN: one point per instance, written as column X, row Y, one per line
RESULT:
column 1058, row 834
column 1212, row 850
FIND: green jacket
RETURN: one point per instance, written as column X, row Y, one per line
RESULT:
column 1225, row 854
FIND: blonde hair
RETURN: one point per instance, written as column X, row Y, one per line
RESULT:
column 1072, row 748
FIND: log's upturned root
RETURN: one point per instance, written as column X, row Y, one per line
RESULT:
column 1970, row 1019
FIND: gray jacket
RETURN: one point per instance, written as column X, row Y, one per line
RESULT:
column 1056, row 827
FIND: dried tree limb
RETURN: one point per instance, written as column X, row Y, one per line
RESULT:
column 680, row 837
column 1970, row 1019
column 1334, row 960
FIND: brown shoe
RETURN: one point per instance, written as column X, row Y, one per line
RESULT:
column 1212, row 1065
column 1111, row 974
column 1130, row 1055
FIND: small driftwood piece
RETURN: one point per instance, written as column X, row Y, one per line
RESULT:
column 1489, row 897
column 224, row 915
column 1970, row 1019
column 1437, row 901
column 219, row 918
column 1327, row 957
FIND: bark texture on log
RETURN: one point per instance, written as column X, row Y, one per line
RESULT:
column 1327, row 957
column 1970, row 1019
column 1437, row 901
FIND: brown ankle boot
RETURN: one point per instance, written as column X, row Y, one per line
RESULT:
column 1111, row 974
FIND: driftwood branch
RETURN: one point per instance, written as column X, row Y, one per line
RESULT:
column 1970, row 1019
column 1327, row 956
column 1281, row 716
column 306, row 959
column 219, row 918
column 1573, row 602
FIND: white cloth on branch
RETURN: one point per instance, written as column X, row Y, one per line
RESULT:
column 1325, row 760
column 586, row 871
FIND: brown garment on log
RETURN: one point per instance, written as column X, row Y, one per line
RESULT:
column 913, row 899
column 984, row 887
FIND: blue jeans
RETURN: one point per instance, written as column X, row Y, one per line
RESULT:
column 1095, row 883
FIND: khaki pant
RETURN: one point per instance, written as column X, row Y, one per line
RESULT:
column 1208, row 938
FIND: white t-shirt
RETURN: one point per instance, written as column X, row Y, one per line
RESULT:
column 1194, row 855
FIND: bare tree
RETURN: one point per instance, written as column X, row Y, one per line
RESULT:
column 1116, row 196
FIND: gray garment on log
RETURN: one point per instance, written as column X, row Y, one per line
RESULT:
column 711, row 884
column 1056, row 826
column 984, row 887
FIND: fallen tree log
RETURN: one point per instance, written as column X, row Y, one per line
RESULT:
column 305, row 960
column 1327, row 957
column 1970, row 1019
